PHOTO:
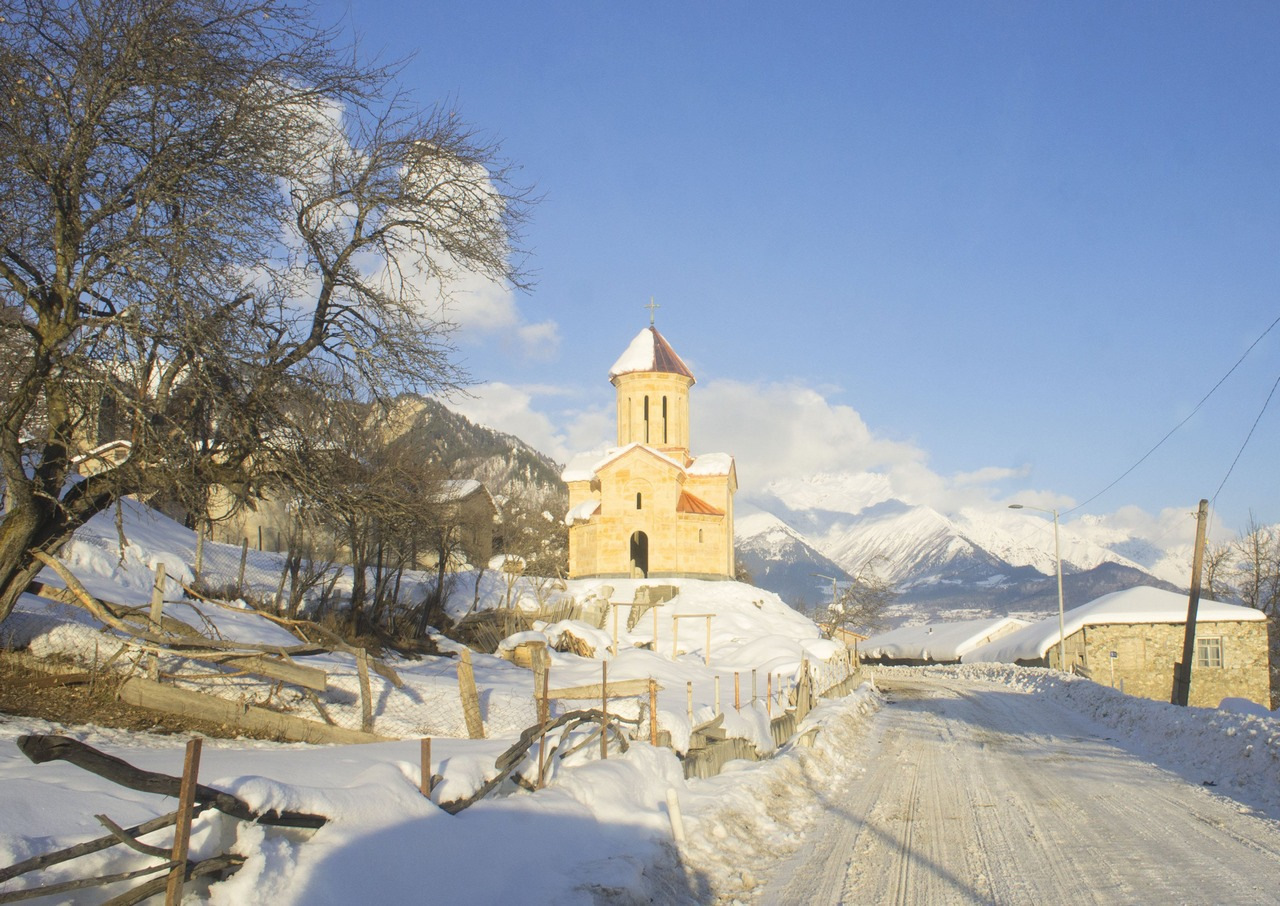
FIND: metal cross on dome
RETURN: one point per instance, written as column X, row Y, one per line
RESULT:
column 652, row 306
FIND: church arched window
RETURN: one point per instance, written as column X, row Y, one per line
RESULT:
column 664, row 420
column 638, row 500
column 646, row 419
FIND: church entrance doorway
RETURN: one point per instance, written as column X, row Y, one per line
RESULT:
column 640, row 555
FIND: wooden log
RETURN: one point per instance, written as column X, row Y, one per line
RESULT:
column 509, row 760
column 89, row 847
column 617, row 689
column 49, row 890
column 172, row 700
column 272, row 668
column 42, row 748
column 227, row 862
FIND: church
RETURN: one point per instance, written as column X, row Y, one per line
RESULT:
column 648, row 507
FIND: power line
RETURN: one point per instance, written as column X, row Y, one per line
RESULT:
column 1175, row 428
column 1248, row 437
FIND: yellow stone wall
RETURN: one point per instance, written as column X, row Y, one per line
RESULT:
column 663, row 393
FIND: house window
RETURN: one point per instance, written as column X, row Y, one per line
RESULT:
column 638, row 500
column 1209, row 651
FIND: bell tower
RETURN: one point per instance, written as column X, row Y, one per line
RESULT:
column 652, row 385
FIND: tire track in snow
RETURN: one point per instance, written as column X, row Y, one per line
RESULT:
column 981, row 794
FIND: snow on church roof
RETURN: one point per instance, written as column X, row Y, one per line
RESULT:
column 1142, row 604
column 649, row 351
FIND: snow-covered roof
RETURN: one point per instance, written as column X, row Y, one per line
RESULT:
column 585, row 466
column 649, row 352
column 711, row 464
column 582, row 512
column 1142, row 604
column 938, row 642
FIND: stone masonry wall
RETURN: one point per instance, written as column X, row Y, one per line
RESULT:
column 1146, row 653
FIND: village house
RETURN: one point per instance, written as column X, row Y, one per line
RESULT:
column 1131, row 640
column 648, row 507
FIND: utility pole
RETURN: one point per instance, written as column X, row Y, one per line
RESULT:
column 1182, row 670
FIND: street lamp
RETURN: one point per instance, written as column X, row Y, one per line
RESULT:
column 1057, row 556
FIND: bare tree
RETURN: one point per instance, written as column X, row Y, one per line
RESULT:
column 206, row 204
column 862, row 604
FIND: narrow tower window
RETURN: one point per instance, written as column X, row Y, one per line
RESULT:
column 664, row 420
column 638, row 500
column 646, row 419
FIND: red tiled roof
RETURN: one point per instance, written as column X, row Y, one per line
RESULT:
column 665, row 358
column 690, row 504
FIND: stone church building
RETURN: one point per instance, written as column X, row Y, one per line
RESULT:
column 648, row 507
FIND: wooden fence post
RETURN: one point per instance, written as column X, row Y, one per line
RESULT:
column 653, row 711
column 688, row 700
column 182, row 830
column 366, row 694
column 427, row 783
column 737, row 692
column 717, row 693
column 199, row 554
column 157, row 614
column 244, row 555
column 706, row 657
column 604, row 709
column 768, row 691
column 470, row 698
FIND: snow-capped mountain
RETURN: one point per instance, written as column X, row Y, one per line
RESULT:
column 996, row 561
column 777, row 556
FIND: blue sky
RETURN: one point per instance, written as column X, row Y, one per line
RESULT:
column 1008, row 245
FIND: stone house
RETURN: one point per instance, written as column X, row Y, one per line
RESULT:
column 648, row 507
column 1131, row 640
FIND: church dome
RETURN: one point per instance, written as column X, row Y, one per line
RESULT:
column 649, row 352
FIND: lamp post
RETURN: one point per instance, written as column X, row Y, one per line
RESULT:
column 835, row 593
column 1057, row 556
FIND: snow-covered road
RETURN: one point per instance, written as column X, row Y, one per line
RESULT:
column 977, row 794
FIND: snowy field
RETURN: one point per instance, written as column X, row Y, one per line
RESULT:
column 601, row 830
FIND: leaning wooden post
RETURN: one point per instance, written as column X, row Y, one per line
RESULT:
column 688, row 700
column 428, row 780
column 199, row 554
column 737, row 692
column 182, row 830
column 366, row 694
column 604, row 709
column 768, row 691
column 653, row 711
column 717, row 693
column 157, row 613
column 754, row 694
column 244, row 555
column 1182, row 670
column 470, row 698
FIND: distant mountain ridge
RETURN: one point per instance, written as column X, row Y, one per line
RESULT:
column 968, row 563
